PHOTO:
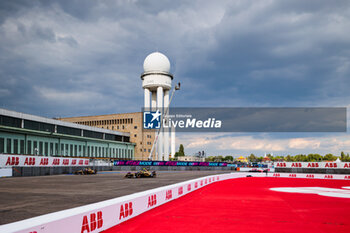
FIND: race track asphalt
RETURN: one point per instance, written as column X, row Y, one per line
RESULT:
column 26, row 197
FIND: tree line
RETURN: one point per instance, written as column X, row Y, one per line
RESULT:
column 289, row 158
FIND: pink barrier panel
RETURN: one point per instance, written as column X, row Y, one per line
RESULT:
column 334, row 165
column 106, row 214
column 40, row 161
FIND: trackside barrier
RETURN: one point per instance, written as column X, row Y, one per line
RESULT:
column 7, row 161
column 333, row 165
column 310, row 176
column 106, row 214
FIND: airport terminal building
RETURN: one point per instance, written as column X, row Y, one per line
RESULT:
column 26, row 134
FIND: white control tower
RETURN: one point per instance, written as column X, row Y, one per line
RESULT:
column 156, row 82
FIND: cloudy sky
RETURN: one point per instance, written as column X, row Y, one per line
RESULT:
column 72, row 58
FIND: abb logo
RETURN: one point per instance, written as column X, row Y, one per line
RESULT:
column 201, row 182
column 331, row 165
column 56, row 162
column 276, row 175
column 81, row 162
column 12, row 161
column 29, row 161
column 152, row 200
column 293, row 175
column 206, row 181
column 281, row 165
column 125, row 210
column 74, row 162
column 95, row 223
column 310, row 176
column 33, row 232
column 347, row 165
column 347, row 177
column 44, row 161
column 312, row 165
column 195, row 185
column 189, row 187
column 217, row 178
column 86, row 162
column 65, row 162
column 209, row 180
column 297, row 165
column 180, row 191
column 168, row 194
column 328, row 177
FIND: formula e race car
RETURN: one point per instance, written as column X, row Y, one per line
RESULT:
column 85, row 171
column 258, row 170
column 144, row 173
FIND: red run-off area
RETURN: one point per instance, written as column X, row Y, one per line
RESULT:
column 248, row 205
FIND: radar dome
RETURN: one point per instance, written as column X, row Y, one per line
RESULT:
column 156, row 62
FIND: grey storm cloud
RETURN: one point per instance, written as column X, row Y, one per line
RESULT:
column 67, row 58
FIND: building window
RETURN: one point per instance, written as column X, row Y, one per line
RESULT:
column 51, row 149
column 68, row 130
column 131, row 120
column 123, row 126
column 34, row 125
column 35, row 147
column 29, row 147
column 149, row 150
column 41, row 148
column 21, row 147
column 135, row 127
column 15, row 146
column 135, row 135
column 2, row 145
column 56, row 148
column 46, row 148
column 10, row 121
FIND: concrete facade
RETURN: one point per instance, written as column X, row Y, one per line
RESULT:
column 131, row 123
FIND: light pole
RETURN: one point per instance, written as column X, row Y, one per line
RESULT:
column 176, row 88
